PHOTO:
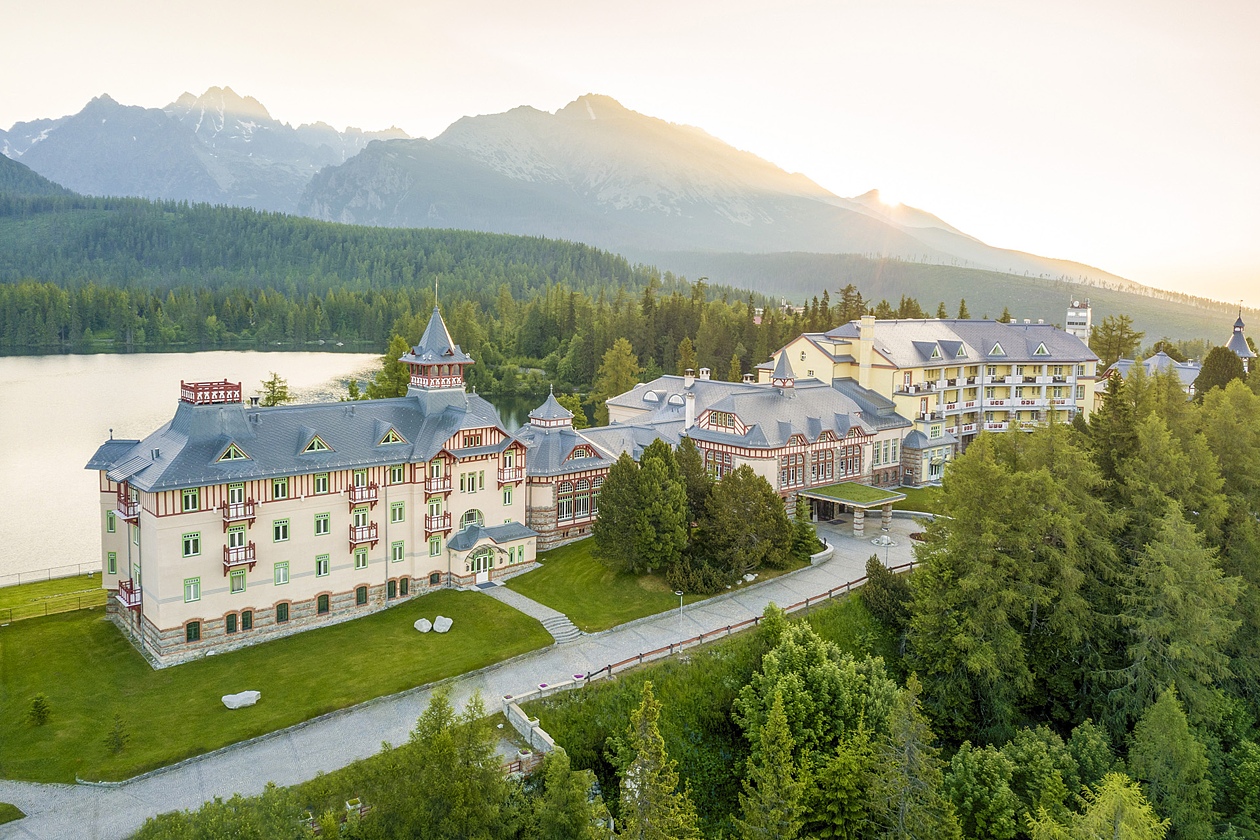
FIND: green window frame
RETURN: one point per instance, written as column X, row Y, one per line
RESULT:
column 279, row 488
column 435, row 546
column 396, row 551
column 192, row 544
column 192, row 631
column 322, row 525
column 192, row 500
column 321, row 605
column 403, row 585
column 280, row 573
column 111, row 562
column 397, row 512
column 360, row 596
column 192, row 590
column 321, row 483
column 396, row 474
column 360, row 558
column 507, row 495
column 282, row 613
column 229, row 623
column 391, row 589
column 280, row 530
column 321, row 565
column 111, row 522
column 247, row 619
column 236, row 581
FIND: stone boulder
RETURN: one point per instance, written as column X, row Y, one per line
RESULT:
column 441, row 624
column 241, row 700
column 423, row 625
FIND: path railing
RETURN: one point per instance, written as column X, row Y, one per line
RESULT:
column 677, row 647
column 69, row 570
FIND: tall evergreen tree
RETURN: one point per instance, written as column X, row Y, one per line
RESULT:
column 963, row 314
column 978, row 782
column 275, row 390
column 621, row 529
column 1172, row 765
column 393, row 379
column 696, row 480
column 663, row 503
column 1116, row 810
column 652, row 806
column 1114, row 338
column 1221, row 367
column 772, row 801
column 564, row 810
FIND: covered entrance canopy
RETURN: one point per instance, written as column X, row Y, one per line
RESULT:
column 857, row 497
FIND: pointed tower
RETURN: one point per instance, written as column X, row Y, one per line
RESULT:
column 783, row 377
column 1238, row 343
column 436, row 362
column 551, row 415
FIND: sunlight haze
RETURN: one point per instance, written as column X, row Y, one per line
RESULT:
column 1123, row 135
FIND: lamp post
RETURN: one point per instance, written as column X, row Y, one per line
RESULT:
column 679, row 593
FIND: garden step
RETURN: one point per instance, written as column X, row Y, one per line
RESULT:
column 561, row 629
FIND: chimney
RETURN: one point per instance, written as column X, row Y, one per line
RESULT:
column 748, row 379
column 689, row 378
column 157, row 453
column 1041, row 320
column 253, row 401
column 704, row 374
column 689, row 413
column 866, row 349
column 1028, row 320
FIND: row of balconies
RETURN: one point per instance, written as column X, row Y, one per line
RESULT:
column 964, row 381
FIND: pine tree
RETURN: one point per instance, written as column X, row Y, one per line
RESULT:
column 1221, row 367
column 652, row 806
column 686, row 356
column 978, row 783
column 941, row 312
column 1113, row 339
column 963, row 314
column 772, row 799
column 1173, row 767
column 393, row 379
column 662, row 501
column 696, row 480
column 563, row 810
column 621, row 526
column 735, row 372
column 275, row 390
column 1115, row 810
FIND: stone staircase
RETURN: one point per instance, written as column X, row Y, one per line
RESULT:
column 561, row 629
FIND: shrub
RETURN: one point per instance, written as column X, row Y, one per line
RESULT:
column 40, row 710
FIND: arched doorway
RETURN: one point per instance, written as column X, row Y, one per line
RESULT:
column 479, row 563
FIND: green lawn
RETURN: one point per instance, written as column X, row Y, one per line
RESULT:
column 90, row 673
column 595, row 597
column 922, row 499
column 50, row 596
column 9, row 813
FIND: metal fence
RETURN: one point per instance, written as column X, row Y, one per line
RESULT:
column 53, row 605
column 69, row 570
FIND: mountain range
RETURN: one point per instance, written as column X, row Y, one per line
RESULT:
column 593, row 171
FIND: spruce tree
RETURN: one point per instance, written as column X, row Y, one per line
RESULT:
column 393, row 379
column 652, row 806
column 771, row 803
column 1173, row 767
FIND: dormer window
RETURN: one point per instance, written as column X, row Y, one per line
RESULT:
column 997, row 350
column 936, row 353
column 316, row 445
column 1041, row 350
column 721, row 420
column 391, row 436
column 961, row 354
column 234, row 453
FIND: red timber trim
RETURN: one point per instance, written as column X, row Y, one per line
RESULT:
column 209, row 393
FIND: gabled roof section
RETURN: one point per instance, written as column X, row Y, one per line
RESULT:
column 1041, row 349
column 391, row 436
column 997, row 349
column 313, row 442
column 109, row 453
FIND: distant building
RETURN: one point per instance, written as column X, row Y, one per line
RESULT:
column 1238, row 343
column 1187, row 372
column 234, row 524
column 1080, row 320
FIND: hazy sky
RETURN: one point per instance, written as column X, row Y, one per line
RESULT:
column 1121, row 133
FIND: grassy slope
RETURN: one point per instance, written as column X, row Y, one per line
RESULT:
column 57, row 595
column 90, row 673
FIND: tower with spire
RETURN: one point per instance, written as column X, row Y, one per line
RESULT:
column 436, row 362
column 1238, row 343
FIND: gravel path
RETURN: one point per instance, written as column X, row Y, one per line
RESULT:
column 296, row 754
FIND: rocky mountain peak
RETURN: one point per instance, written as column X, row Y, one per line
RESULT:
column 595, row 106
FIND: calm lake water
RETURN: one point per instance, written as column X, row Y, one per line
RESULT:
column 56, row 410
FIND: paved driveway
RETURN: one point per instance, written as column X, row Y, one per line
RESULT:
column 296, row 754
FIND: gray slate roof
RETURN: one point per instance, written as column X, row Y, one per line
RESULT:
column 436, row 346
column 633, row 438
column 551, row 410
column 498, row 534
column 910, row 342
column 546, row 451
column 1187, row 372
column 190, row 445
column 1238, row 341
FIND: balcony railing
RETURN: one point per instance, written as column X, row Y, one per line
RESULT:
column 441, row 484
column 995, row 402
column 995, row 426
column 968, row 428
column 367, row 495
column 240, row 555
column 128, row 510
column 441, row 522
column 360, row 534
column 511, row 474
column 237, row 512
column 128, row 594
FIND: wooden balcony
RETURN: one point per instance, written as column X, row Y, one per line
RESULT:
column 367, row 495
column 362, row 534
column 441, row 522
column 441, row 484
column 241, row 555
column 995, row 426
column 210, row 393
column 237, row 512
column 128, row 594
column 507, row 476
column 127, row 508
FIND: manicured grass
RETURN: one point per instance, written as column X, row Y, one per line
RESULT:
column 854, row 493
column 90, row 673
column 923, row 499
column 50, row 596
column 595, row 597
column 9, row 813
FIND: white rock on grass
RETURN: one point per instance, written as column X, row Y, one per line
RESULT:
column 424, row 625
column 441, row 624
column 241, row 700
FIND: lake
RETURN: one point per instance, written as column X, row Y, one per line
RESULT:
column 56, row 410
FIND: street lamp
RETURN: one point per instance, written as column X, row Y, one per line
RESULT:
column 679, row 593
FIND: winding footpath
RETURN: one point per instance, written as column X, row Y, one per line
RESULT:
column 327, row 743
